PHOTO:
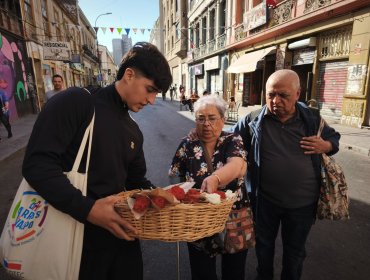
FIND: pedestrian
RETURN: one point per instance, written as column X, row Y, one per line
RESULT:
column 58, row 86
column 175, row 91
column 184, row 100
column 117, row 159
column 4, row 113
column 228, row 159
column 171, row 92
column 284, row 170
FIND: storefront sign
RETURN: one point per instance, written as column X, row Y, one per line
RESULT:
column 255, row 17
column 212, row 63
column 356, row 78
column 57, row 51
column 198, row 69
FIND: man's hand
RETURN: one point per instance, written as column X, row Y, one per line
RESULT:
column 103, row 214
column 315, row 145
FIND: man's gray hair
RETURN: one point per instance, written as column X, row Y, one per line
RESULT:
column 211, row 100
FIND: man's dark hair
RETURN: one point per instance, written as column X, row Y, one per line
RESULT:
column 150, row 62
column 56, row 76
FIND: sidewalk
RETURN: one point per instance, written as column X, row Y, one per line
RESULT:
column 21, row 129
column 354, row 139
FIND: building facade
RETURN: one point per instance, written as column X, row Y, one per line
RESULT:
column 120, row 47
column 234, row 45
column 175, row 39
column 325, row 41
column 17, row 79
column 108, row 67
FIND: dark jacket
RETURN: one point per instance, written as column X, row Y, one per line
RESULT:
column 250, row 128
column 117, row 158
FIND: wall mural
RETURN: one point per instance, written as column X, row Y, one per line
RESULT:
column 14, row 68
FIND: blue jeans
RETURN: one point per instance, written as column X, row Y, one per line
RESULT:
column 295, row 227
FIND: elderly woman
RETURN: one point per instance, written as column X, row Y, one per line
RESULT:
column 228, row 166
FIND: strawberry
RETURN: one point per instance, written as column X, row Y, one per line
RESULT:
column 159, row 201
column 192, row 196
column 141, row 203
column 177, row 192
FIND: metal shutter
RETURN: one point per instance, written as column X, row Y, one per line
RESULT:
column 331, row 87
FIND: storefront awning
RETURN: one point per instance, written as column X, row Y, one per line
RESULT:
column 248, row 62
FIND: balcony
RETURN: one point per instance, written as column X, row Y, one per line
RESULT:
column 290, row 15
column 89, row 53
column 312, row 5
column 10, row 22
column 211, row 47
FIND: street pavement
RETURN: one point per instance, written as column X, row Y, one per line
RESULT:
column 353, row 139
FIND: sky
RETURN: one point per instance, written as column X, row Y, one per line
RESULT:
column 125, row 14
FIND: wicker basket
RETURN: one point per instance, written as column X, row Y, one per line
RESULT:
column 180, row 222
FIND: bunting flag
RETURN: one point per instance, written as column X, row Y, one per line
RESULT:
column 104, row 29
column 119, row 30
column 149, row 29
column 142, row 30
column 127, row 31
column 111, row 29
column 96, row 29
column 135, row 30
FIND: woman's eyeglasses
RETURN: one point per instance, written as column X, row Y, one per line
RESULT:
column 211, row 120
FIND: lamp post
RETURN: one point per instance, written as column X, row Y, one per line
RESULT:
column 97, row 47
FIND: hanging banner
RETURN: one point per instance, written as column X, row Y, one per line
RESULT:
column 57, row 51
column 255, row 17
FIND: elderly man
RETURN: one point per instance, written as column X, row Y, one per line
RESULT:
column 284, row 171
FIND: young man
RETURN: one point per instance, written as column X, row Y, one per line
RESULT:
column 117, row 160
column 58, row 86
column 284, row 170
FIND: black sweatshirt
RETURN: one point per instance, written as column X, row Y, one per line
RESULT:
column 117, row 158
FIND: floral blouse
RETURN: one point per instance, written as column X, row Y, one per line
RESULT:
column 189, row 162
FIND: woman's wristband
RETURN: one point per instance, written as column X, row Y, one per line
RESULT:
column 218, row 178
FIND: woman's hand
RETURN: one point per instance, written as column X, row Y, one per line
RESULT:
column 210, row 184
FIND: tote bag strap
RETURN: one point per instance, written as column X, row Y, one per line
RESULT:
column 88, row 135
column 321, row 127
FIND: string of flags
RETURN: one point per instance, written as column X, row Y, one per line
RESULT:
column 119, row 30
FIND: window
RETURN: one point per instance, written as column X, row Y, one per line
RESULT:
column 197, row 35
column 45, row 20
column 178, row 31
column 204, row 30
column 28, row 11
column 212, row 20
column 222, row 17
column 57, row 24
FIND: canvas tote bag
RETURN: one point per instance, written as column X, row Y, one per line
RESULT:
column 39, row 242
